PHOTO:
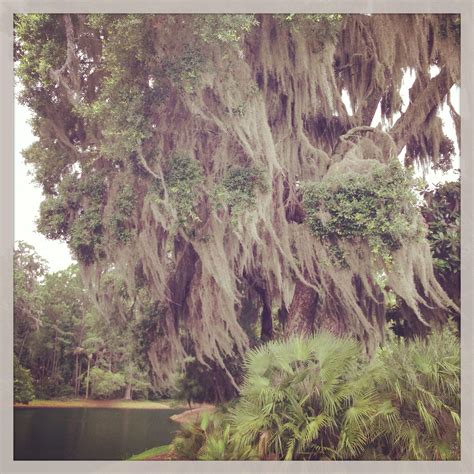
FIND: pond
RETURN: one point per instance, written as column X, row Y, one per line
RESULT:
column 89, row 433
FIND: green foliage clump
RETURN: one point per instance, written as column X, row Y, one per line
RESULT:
column 324, row 27
column 23, row 391
column 74, row 214
column 238, row 189
column 52, row 387
column 123, row 206
column 226, row 29
column 120, row 107
column 379, row 208
column 441, row 212
column 105, row 383
column 39, row 42
column 53, row 220
column 49, row 162
column 86, row 235
column 184, row 177
column 183, row 71
column 189, row 441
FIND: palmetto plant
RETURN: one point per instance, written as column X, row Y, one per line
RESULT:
column 420, row 381
column 210, row 439
column 295, row 395
column 317, row 398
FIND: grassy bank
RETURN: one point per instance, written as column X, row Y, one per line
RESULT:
column 151, row 454
column 82, row 403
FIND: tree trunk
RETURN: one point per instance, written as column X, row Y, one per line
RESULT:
column 21, row 348
column 266, row 332
column 88, row 372
column 301, row 314
column 76, row 374
column 79, row 378
column 267, row 323
column 128, row 392
column 303, row 317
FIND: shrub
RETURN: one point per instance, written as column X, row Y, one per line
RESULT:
column 50, row 387
column 23, row 391
column 318, row 398
column 294, row 395
column 189, row 441
column 210, row 439
column 420, row 378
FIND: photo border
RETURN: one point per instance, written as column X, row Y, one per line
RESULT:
column 8, row 7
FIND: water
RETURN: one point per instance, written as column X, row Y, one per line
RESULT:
column 89, row 433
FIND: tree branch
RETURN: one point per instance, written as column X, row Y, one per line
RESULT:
column 414, row 117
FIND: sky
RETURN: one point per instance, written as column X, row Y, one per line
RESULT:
column 28, row 195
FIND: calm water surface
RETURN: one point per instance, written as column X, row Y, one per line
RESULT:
column 89, row 433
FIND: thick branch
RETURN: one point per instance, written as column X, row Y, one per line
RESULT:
column 414, row 117
column 68, row 75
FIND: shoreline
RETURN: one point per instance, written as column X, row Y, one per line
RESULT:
column 83, row 403
column 193, row 414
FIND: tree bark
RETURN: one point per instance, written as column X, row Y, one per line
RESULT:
column 76, row 374
column 267, row 323
column 88, row 372
column 128, row 392
column 301, row 314
column 266, row 332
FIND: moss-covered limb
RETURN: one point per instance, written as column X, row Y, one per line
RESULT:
column 417, row 112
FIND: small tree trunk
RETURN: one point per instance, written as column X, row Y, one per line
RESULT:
column 267, row 323
column 21, row 348
column 128, row 392
column 88, row 372
column 266, row 317
column 76, row 374
column 78, row 381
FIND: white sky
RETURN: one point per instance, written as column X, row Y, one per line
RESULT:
column 28, row 195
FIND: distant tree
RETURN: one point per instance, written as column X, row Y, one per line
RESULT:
column 105, row 384
column 29, row 268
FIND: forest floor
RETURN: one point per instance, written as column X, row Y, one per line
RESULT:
column 83, row 403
